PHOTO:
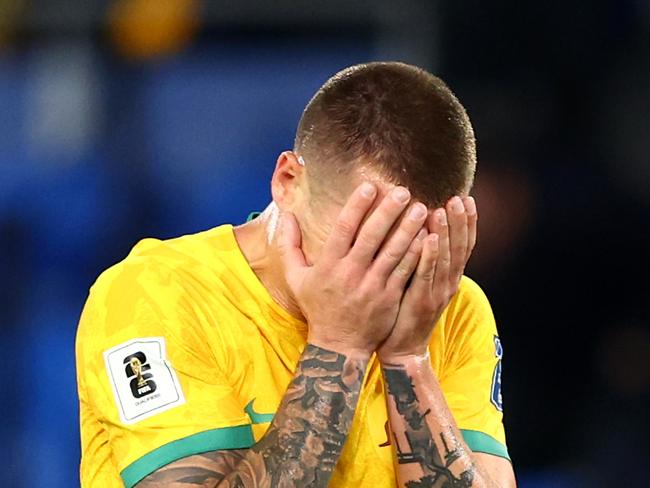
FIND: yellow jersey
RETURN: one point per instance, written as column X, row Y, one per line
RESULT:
column 181, row 350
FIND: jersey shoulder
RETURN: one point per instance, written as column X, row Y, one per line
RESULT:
column 154, row 258
column 160, row 283
column 470, row 293
column 468, row 322
column 470, row 306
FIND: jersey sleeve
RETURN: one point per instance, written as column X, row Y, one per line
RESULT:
column 150, row 379
column 471, row 380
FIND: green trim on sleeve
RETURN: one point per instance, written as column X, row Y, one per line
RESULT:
column 481, row 442
column 238, row 437
column 252, row 215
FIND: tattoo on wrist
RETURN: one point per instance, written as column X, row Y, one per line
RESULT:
column 435, row 455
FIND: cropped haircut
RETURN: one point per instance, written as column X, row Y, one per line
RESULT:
column 399, row 120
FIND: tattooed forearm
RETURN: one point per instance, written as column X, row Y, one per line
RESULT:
column 307, row 435
column 305, row 439
column 207, row 469
column 435, row 453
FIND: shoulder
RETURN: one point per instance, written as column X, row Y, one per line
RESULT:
column 468, row 321
column 144, row 272
column 470, row 291
column 127, row 300
column 157, row 288
column 469, row 299
column 154, row 264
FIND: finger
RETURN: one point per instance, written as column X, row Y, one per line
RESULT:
column 404, row 270
column 421, row 287
column 375, row 229
column 472, row 223
column 289, row 242
column 396, row 247
column 347, row 223
column 439, row 226
column 458, row 236
column 425, row 272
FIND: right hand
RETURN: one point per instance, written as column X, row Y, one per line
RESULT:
column 351, row 295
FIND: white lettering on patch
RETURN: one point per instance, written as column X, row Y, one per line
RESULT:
column 143, row 381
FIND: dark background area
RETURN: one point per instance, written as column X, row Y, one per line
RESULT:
column 121, row 120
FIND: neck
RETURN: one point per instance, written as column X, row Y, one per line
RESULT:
column 257, row 240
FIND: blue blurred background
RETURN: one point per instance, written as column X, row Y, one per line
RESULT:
column 132, row 118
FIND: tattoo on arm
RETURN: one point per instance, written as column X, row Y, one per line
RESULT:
column 207, row 469
column 435, row 454
column 303, row 443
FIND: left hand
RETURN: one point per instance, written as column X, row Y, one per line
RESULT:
column 445, row 253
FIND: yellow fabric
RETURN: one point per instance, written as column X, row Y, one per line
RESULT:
column 229, row 343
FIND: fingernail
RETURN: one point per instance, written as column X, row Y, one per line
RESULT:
column 457, row 205
column 441, row 217
column 421, row 235
column 470, row 205
column 417, row 212
column 401, row 194
column 368, row 190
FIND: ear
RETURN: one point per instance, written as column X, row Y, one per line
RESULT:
column 286, row 181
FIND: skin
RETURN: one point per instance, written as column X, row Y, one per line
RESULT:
column 391, row 265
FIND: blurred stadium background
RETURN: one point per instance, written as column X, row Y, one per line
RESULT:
column 132, row 118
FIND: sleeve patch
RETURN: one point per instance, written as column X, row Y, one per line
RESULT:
column 495, row 397
column 143, row 381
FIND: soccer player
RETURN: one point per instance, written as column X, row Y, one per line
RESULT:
column 330, row 341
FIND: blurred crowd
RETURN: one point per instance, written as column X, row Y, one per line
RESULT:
column 126, row 119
